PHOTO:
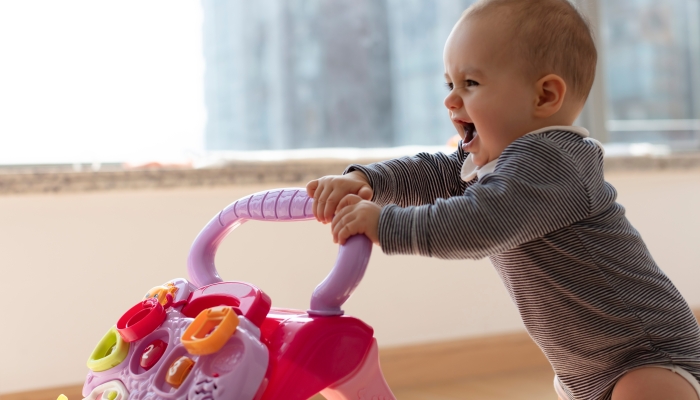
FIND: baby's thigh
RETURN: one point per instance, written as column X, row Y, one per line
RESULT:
column 652, row 383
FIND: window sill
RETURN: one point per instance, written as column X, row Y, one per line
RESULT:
column 228, row 172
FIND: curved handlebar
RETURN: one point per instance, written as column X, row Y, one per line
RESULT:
column 291, row 204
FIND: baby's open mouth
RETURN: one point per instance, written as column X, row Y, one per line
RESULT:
column 469, row 132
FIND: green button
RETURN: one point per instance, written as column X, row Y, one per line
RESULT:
column 109, row 352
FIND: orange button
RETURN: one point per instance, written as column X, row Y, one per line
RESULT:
column 178, row 371
column 210, row 331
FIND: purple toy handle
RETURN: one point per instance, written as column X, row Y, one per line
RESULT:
column 291, row 204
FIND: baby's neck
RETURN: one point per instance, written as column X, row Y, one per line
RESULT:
column 559, row 119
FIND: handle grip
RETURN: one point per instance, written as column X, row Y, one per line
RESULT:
column 290, row 204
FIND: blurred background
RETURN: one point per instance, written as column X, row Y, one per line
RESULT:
column 105, row 82
column 126, row 125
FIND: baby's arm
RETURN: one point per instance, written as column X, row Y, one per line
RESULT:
column 532, row 195
column 490, row 218
column 405, row 181
column 415, row 180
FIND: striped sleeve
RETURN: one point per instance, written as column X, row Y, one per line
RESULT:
column 527, row 197
column 416, row 180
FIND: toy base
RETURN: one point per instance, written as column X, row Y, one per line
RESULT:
column 367, row 382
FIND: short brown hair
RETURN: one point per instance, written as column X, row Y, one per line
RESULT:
column 552, row 36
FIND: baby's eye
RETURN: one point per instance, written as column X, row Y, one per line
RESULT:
column 470, row 82
column 449, row 86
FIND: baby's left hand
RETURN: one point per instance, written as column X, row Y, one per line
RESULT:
column 354, row 216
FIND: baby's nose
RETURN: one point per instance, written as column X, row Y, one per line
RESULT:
column 452, row 101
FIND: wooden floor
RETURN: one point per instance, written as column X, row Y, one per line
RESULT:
column 521, row 385
column 525, row 385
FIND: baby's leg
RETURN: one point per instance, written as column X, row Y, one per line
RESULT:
column 654, row 383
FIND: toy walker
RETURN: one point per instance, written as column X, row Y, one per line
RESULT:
column 206, row 339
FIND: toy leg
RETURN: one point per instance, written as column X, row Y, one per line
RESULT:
column 365, row 383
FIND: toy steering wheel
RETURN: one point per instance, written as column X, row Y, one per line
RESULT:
column 291, row 204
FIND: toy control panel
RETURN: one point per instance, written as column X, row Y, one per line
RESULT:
column 168, row 346
column 207, row 339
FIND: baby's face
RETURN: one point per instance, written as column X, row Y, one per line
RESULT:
column 490, row 101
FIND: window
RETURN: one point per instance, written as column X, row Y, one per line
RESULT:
column 652, row 71
column 94, row 82
column 300, row 74
column 100, row 82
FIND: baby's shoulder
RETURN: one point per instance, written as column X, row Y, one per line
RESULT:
column 553, row 153
column 557, row 161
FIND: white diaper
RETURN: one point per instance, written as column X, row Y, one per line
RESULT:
column 680, row 371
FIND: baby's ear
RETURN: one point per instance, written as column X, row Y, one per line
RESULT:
column 551, row 91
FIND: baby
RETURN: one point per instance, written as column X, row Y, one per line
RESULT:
column 526, row 189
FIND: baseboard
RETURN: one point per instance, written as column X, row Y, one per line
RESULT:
column 414, row 365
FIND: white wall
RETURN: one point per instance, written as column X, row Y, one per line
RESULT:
column 73, row 263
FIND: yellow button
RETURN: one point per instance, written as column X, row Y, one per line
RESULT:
column 109, row 395
column 178, row 371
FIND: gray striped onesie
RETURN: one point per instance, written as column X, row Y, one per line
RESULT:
column 588, row 291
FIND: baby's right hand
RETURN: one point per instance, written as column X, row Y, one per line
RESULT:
column 329, row 190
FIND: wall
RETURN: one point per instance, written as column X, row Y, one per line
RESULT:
column 73, row 263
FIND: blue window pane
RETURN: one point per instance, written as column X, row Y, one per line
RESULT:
column 418, row 30
column 652, row 69
column 286, row 74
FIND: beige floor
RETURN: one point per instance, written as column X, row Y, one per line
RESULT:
column 522, row 385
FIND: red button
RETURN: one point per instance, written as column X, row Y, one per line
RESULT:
column 152, row 353
column 140, row 320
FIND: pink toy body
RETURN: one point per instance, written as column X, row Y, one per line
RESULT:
column 207, row 339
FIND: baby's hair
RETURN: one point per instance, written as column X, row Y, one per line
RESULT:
column 552, row 36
